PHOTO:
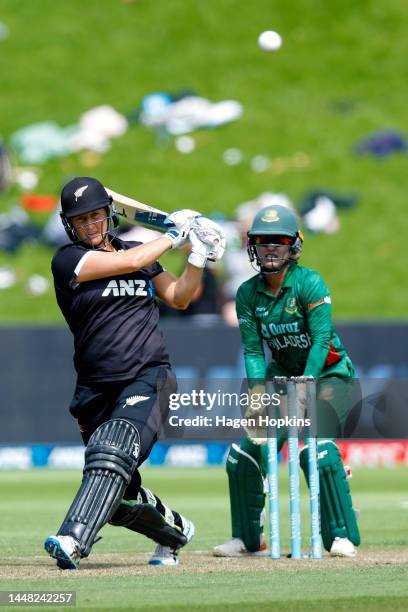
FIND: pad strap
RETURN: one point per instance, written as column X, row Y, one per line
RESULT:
column 149, row 516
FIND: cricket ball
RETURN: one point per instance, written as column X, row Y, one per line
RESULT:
column 269, row 41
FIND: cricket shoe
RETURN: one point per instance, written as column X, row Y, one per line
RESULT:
column 164, row 555
column 65, row 550
column 342, row 547
column 237, row 548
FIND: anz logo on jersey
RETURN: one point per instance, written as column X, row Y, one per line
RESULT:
column 121, row 288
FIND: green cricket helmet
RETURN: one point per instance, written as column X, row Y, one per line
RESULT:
column 275, row 220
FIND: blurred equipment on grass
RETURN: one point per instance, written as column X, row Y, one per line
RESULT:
column 318, row 209
column 382, row 144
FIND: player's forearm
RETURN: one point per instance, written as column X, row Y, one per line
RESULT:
column 147, row 253
column 255, row 366
column 101, row 264
column 319, row 322
column 186, row 286
column 316, row 360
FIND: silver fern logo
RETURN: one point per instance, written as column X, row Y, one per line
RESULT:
column 79, row 192
column 135, row 399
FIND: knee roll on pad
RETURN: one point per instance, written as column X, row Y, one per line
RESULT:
column 247, row 496
column 336, row 508
column 110, row 460
column 114, row 446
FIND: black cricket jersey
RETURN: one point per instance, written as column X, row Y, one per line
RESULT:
column 114, row 320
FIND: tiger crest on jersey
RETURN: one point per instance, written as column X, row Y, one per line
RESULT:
column 291, row 305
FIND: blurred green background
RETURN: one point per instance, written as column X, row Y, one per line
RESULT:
column 339, row 76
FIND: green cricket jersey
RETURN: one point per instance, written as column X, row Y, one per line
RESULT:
column 296, row 325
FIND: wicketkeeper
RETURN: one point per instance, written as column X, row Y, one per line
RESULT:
column 288, row 307
column 106, row 289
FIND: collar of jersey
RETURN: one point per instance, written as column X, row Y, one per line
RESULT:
column 116, row 242
column 287, row 282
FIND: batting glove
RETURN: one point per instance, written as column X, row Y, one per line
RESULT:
column 212, row 234
column 182, row 221
column 200, row 251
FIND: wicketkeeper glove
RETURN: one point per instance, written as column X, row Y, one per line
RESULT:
column 182, row 221
column 256, row 434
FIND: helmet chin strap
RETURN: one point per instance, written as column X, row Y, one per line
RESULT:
column 285, row 264
column 276, row 271
column 256, row 261
column 259, row 268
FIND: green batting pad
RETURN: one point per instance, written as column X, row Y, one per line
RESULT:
column 247, row 496
column 336, row 508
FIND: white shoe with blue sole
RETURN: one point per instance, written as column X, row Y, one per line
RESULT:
column 65, row 550
column 164, row 555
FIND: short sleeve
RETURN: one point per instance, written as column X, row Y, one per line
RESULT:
column 67, row 263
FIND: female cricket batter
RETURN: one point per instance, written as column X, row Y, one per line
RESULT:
column 288, row 307
column 106, row 290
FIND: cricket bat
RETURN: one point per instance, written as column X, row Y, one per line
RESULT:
column 139, row 213
column 148, row 216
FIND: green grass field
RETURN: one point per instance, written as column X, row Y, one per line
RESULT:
column 116, row 576
column 337, row 78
